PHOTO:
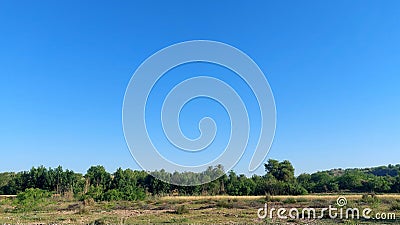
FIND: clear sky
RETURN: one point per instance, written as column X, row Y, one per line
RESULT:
column 333, row 66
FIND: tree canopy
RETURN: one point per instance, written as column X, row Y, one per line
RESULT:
column 130, row 185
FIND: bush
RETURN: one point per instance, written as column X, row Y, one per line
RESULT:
column 268, row 197
column 95, row 192
column 31, row 199
column 88, row 201
column 132, row 193
column 289, row 201
column 370, row 198
column 182, row 210
column 128, row 193
column 113, row 195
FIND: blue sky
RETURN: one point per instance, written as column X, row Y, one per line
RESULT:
column 333, row 66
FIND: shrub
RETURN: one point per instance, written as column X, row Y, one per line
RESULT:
column 31, row 199
column 82, row 210
column 113, row 195
column 372, row 199
column 182, row 209
column 132, row 193
column 223, row 204
column 289, row 201
column 88, row 201
column 95, row 192
column 128, row 193
column 268, row 197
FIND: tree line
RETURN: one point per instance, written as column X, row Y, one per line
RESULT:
column 279, row 179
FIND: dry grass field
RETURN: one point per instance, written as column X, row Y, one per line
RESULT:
column 190, row 210
column 308, row 197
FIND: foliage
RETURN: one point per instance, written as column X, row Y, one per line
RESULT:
column 281, row 171
column 31, row 199
column 129, row 185
column 54, row 180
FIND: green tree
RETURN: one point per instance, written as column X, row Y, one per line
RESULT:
column 322, row 182
column 282, row 171
column 98, row 176
column 351, row 180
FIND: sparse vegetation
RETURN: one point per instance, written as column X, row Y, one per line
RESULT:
column 184, row 210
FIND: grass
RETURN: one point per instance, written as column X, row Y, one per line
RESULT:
column 189, row 210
